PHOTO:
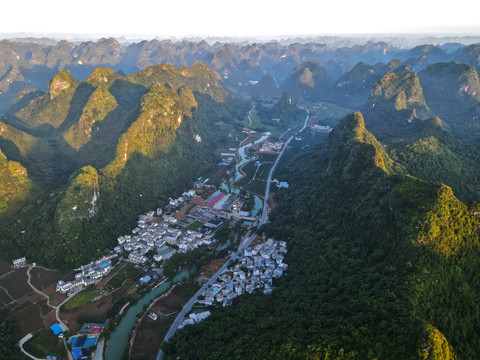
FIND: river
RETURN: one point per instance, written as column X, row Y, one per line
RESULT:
column 241, row 151
column 119, row 337
column 242, row 246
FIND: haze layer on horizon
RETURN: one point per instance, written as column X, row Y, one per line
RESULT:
column 248, row 18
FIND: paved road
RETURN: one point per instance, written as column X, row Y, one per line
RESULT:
column 23, row 341
column 57, row 310
column 193, row 300
column 99, row 350
column 272, row 170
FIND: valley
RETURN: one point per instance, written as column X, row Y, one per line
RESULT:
column 154, row 194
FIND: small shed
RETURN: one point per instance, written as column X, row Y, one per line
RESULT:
column 56, row 329
column 145, row 279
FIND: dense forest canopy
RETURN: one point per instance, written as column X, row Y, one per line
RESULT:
column 376, row 263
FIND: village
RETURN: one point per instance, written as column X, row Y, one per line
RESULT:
column 254, row 269
column 184, row 224
column 157, row 237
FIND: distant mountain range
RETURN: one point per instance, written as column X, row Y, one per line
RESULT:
column 30, row 64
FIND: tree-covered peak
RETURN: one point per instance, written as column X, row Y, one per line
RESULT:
column 351, row 127
column 199, row 78
column 356, row 149
column 14, row 183
column 160, row 112
column 102, row 75
column 61, row 81
column 97, row 107
column 448, row 228
column 86, row 176
column 404, row 90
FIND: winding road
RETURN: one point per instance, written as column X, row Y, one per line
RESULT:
column 57, row 314
column 263, row 220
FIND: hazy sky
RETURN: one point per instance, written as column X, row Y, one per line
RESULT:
column 238, row 18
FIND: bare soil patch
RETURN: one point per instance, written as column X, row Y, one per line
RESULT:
column 272, row 204
column 49, row 319
column 211, row 268
column 256, row 241
column 185, row 210
column 33, row 298
column 41, row 278
column 199, row 200
column 149, row 332
column 91, row 312
column 55, row 297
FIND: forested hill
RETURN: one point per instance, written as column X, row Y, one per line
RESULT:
column 98, row 152
column 382, row 265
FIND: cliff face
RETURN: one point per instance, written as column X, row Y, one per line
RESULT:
column 80, row 200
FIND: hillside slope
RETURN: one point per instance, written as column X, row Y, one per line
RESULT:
column 452, row 91
column 14, row 183
column 373, row 259
column 139, row 139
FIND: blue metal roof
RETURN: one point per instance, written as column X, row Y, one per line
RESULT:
column 56, row 329
column 145, row 279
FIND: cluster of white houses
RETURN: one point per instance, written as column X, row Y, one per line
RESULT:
column 156, row 235
column 88, row 274
column 255, row 269
column 151, row 235
column 194, row 318
column 268, row 146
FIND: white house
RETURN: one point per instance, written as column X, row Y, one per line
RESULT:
column 18, row 263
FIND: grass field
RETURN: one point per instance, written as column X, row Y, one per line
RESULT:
column 252, row 121
column 120, row 275
column 82, row 298
column 186, row 290
column 194, row 225
column 42, row 279
column 238, row 135
column 45, row 343
column 120, row 292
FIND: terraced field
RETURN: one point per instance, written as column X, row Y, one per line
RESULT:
column 42, row 278
column 45, row 343
column 16, row 283
column 28, row 318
